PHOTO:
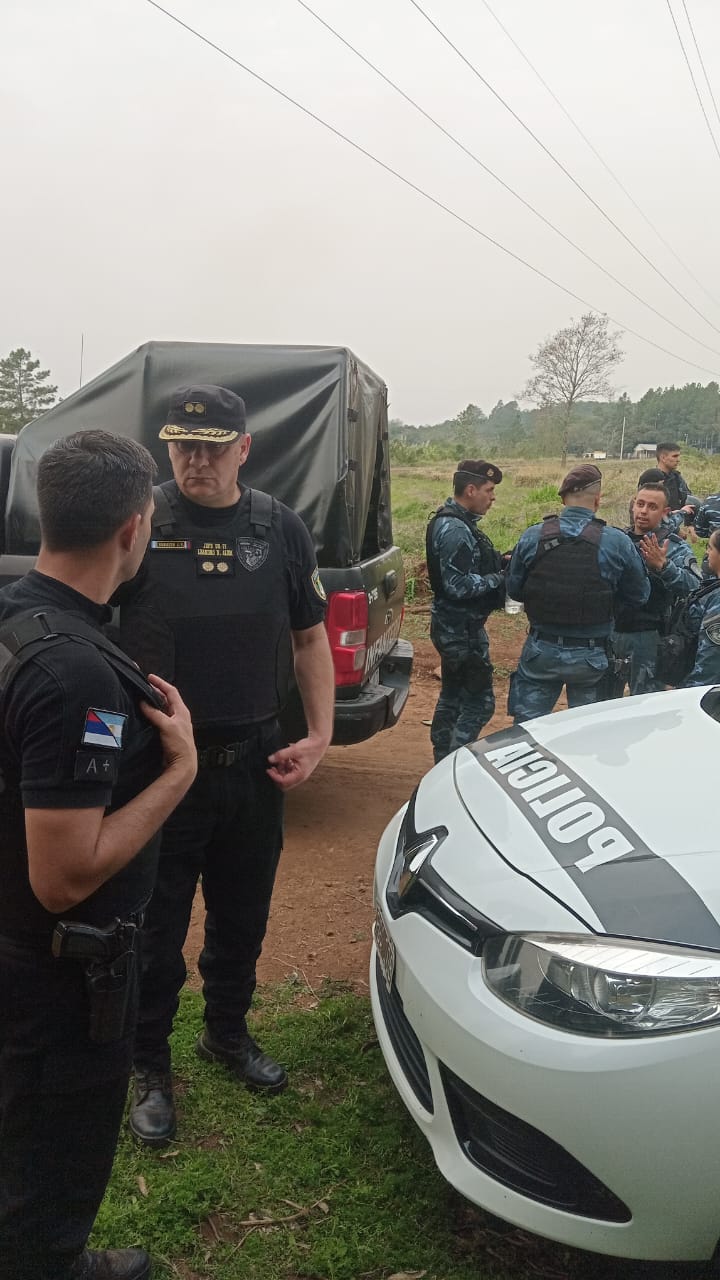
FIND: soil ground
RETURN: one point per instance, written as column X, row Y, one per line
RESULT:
column 320, row 924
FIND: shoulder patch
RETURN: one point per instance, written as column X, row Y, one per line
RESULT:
column 96, row 766
column 317, row 584
column 711, row 628
column 103, row 729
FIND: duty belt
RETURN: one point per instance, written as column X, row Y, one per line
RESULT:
column 570, row 642
column 225, row 756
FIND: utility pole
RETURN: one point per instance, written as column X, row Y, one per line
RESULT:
column 82, row 349
column 622, row 439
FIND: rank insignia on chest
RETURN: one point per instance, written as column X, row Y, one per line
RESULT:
column 170, row 544
column 215, row 559
column 252, row 553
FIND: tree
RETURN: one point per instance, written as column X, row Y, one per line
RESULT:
column 574, row 364
column 469, row 423
column 25, row 392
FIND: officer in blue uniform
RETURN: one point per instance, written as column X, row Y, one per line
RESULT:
column 466, row 577
column 569, row 571
column 228, row 602
column 673, row 572
column 705, row 621
column 707, row 521
column 89, row 770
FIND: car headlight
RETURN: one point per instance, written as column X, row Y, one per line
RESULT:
column 604, row 986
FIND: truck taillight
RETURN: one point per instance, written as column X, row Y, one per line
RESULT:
column 347, row 627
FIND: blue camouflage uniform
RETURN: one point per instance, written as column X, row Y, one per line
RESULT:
column 707, row 521
column 637, row 629
column 457, row 628
column 573, row 655
column 705, row 620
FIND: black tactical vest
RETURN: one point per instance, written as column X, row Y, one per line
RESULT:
column 21, row 915
column 650, row 616
column 220, row 595
column 564, row 586
column 486, row 559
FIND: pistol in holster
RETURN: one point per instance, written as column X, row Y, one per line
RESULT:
column 108, row 957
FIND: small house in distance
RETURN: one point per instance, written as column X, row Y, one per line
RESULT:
column 644, row 451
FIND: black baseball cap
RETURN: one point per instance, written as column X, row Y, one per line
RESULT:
column 209, row 414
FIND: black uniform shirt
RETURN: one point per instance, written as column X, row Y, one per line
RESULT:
column 72, row 737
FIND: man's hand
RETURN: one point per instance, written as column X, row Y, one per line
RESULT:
column 292, row 765
column 175, row 728
column 654, row 553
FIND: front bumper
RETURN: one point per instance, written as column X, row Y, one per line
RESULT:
column 606, row 1145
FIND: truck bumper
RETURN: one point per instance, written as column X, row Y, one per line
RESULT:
column 379, row 703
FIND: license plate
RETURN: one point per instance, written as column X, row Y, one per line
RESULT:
column 385, row 948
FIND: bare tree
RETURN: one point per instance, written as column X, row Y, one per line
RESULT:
column 574, row 364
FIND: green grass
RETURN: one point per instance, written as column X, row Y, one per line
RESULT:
column 330, row 1181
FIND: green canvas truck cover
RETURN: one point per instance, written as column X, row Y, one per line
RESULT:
column 317, row 415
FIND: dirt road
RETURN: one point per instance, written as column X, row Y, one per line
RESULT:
column 322, row 906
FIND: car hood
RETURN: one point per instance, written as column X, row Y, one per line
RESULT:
column 609, row 809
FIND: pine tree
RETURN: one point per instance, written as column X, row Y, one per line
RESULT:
column 25, row 392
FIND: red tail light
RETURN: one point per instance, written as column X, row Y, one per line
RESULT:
column 347, row 627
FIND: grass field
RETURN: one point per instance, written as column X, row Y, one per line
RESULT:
column 332, row 1181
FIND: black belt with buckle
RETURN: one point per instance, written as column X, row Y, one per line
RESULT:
column 570, row 642
column 225, row 756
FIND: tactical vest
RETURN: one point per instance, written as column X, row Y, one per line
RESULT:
column 486, row 560
column 21, row 915
column 651, row 616
column 223, row 596
column 564, row 586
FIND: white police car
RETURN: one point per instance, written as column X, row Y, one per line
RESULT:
column 546, row 973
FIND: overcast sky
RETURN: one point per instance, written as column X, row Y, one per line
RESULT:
column 153, row 190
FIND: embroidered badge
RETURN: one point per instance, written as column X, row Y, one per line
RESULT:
column 104, row 729
column 251, row 553
column 317, row 584
column 215, row 557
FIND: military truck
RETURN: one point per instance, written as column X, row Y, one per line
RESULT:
column 318, row 418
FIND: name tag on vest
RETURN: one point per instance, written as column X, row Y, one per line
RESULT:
column 170, row 544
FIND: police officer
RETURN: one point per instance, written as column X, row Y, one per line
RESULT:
column 90, row 770
column 569, row 571
column 229, row 597
column 705, row 621
column 673, row 572
column 465, row 575
column 707, row 521
column 679, row 496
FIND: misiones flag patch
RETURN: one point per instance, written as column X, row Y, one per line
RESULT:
column 103, row 729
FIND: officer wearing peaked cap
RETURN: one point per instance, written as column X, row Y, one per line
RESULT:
column 229, row 600
column 466, row 577
column 569, row 571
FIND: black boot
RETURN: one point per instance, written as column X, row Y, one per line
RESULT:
column 152, row 1110
column 246, row 1060
column 111, row 1264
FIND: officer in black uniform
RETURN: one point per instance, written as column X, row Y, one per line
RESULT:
column 228, row 599
column 89, row 770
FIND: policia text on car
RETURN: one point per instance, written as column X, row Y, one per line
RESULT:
column 91, row 767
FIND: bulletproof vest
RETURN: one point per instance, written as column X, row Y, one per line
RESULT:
column 564, row 586
column 222, row 593
column 651, row 616
column 21, row 638
column 486, row 559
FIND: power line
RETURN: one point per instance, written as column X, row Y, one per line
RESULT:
column 700, row 57
column 526, row 203
column 598, row 155
column 560, row 165
column 706, row 118
column 419, row 190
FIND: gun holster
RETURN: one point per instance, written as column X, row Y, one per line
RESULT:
column 108, row 957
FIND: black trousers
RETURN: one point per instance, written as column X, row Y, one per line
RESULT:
column 227, row 831
column 61, row 1105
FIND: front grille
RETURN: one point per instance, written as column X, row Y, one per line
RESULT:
column 523, row 1158
column 408, row 1049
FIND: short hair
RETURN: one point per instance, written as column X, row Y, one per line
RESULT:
column 652, row 487
column 714, row 540
column 88, row 485
column 668, row 447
